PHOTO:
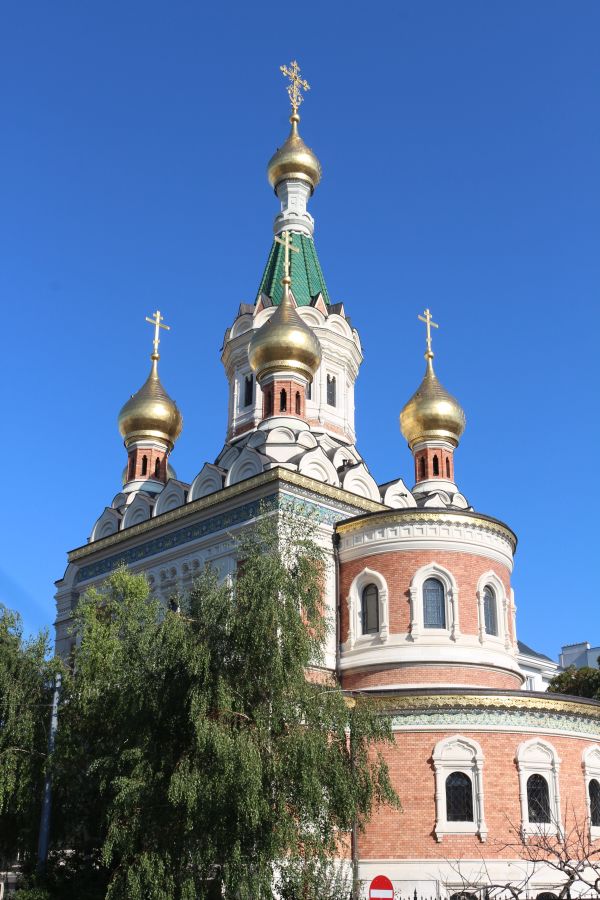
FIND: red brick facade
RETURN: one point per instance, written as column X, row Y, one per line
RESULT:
column 446, row 675
column 433, row 462
column 409, row 834
column 147, row 462
column 283, row 397
column 398, row 569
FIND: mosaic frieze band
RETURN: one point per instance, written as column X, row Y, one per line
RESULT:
column 212, row 525
column 497, row 720
column 308, row 485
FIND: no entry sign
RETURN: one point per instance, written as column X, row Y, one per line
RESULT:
column 381, row 888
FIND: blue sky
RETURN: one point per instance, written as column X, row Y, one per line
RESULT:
column 460, row 144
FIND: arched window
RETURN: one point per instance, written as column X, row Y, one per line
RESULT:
column 269, row 404
column 370, row 609
column 459, row 798
column 422, row 467
column 447, row 468
column 538, row 799
column 298, row 403
column 436, row 465
column 309, row 391
column 144, row 465
column 434, row 604
column 283, row 400
column 248, row 390
column 458, row 765
column 331, row 398
column 157, row 468
column 131, row 466
column 594, row 792
column 490, row 611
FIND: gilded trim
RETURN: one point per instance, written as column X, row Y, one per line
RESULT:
column 518, row 700
column 402, row 516
column 257, row 481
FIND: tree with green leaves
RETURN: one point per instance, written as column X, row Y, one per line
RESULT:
column 26, row 686
column 584, row 682
column 202, row 752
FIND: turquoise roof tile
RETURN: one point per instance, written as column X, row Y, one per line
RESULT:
column 307, row 277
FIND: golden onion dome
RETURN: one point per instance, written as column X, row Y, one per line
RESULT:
column 150, row 413
column 285, row 342
column 432, row 414
column 294, row 161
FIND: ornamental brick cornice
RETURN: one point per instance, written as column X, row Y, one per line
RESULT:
column 398, row 517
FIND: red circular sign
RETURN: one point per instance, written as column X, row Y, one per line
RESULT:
column 381, row 888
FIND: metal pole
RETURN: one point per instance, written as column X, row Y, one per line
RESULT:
column 47, row 799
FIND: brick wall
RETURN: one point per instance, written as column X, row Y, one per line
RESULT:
column 410, row 674
column 398, row 569
column 410, row 834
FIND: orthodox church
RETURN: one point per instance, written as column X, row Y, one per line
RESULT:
column 419, row 585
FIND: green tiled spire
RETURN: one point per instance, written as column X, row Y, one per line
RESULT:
column 307, row 277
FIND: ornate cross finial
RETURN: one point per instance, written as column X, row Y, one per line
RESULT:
column 157, row 321
column 287, row 241
column 429, row 324
column 296, row 85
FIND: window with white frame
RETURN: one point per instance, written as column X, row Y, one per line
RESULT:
column 459, row 797
column 368, row 615
column 494, row 609
column 331, row 390
column 539, row 789
column 248, row 390
column 458, row 765
column 538, row 800
column 591, row 772
column 434, row 604
column 490, row 611
column 594, row 801
column 370, row 609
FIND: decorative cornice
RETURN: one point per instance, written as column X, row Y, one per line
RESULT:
column 316, row 488
column 509, row 700
column 410, row 516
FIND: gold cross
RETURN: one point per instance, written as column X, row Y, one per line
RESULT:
column 287, row 242
column 296, row 85
column 429, row 323
column 157, row 321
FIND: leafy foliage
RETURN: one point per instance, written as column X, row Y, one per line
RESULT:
column 315, row 879
column 194, row 754
column 25, row 701
column 584, row 682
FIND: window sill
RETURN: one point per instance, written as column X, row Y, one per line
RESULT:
column 538, row 829
column 451, row 828
column 366, row 640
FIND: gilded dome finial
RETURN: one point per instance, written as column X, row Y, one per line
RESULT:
column 287, row 241
column 150, row 414
column 294, row 161
column 295, row 87
column 429, row 324
column 157, row 321
column 432, row 413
